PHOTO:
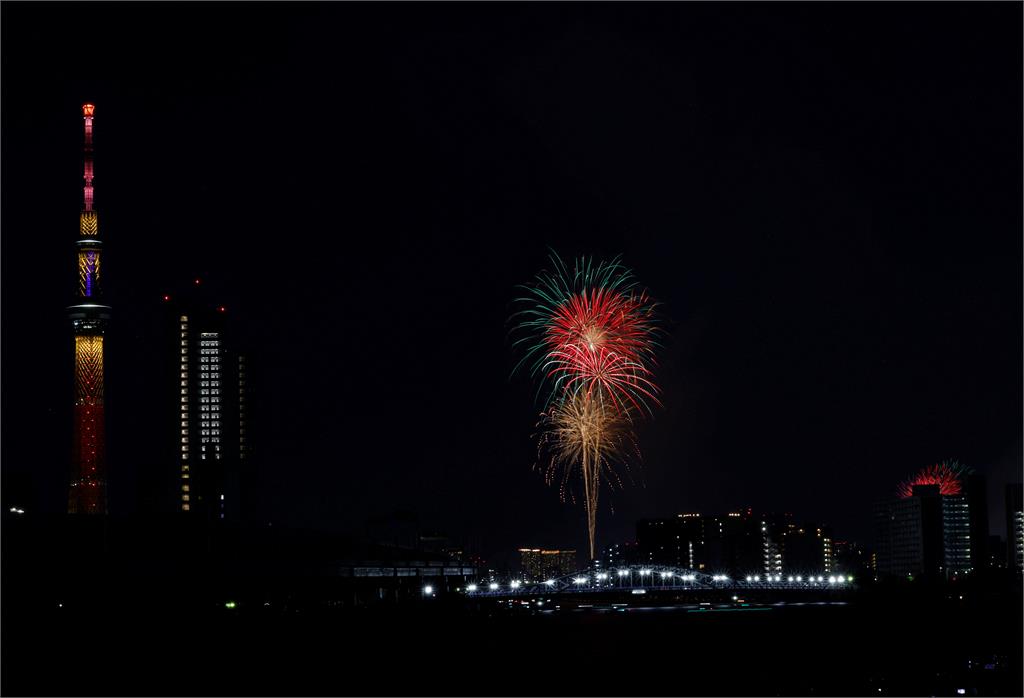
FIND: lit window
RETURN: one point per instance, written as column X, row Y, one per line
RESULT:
column 184, row 498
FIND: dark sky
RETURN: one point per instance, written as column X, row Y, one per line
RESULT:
column 825, row 197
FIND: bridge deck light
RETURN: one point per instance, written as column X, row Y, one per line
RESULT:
column 515, row 584
column 550, row 582
column 493, row 586
column 623, row 573
column 644, row 573
column 580, row 580
column 471, row 588
column 799, row 578
column 428, row 590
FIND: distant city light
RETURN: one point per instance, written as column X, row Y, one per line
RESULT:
column 849, row 578
column 229, row 604
column 16, row 510
column 639, row 591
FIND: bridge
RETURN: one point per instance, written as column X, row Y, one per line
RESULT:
column 641, row 579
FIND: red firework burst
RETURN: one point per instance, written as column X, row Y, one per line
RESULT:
column 946, row 475
column 600, row 339
column 603, row 374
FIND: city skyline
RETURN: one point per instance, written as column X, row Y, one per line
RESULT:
column 842, row 314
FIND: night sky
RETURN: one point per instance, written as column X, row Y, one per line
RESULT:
column 826, row 199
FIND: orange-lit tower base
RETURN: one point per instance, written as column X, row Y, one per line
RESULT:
column 89, row 317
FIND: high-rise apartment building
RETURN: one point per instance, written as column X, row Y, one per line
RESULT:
column 210, row 412
column 808, row 549
column 1015, row 527
column 927, row 533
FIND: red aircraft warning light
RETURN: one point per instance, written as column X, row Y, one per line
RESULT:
column 88, row 109
column 167, row 298
column 221, row 309
column 197, row 282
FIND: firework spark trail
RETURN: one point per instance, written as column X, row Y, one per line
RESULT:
column 581, row 430
column 590, row 336
column 947, row 475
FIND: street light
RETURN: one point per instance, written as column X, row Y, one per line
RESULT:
column 493, row 586
column 471, row 588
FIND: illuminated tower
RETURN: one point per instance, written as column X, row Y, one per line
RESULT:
column 89, row 317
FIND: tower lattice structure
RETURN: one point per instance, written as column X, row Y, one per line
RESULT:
column 89, row 317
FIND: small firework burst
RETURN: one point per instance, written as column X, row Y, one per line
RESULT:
column 947, row 475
